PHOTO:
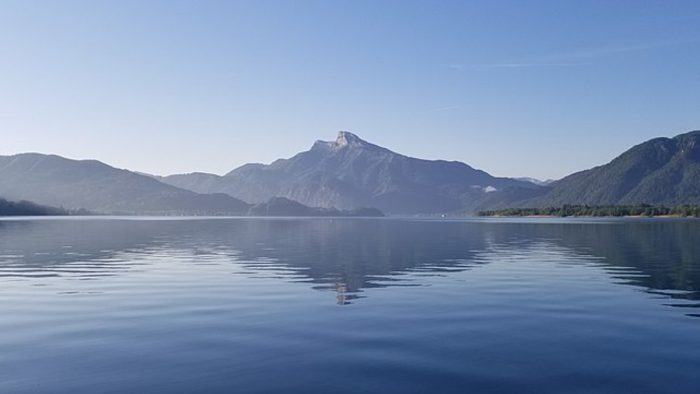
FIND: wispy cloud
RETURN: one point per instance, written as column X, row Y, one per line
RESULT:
column 610, row 50
column 522, row 65
column 442, row 109
column 579, row 57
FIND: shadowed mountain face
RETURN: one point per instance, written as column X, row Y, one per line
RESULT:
column 349, row 173
column 660, row 171
column 95, row 186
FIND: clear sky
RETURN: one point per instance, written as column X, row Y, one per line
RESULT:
column 517, row 88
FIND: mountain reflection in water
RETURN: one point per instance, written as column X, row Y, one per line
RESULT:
column 347, row 256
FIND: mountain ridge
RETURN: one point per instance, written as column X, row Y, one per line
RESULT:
column 659, row 171
column 35, row 183
column 351, row 172
column 93, row 185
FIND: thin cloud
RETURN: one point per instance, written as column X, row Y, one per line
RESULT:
column 515, row 65
column 527, row 65
column 442, row 109
column 610, row 50
column 580, row 57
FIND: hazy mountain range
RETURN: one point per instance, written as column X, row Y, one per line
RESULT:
column 95, row 186
column 90, row 185
column 349, row 173
column 536, row 181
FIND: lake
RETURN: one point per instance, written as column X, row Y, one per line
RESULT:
column 245, row 305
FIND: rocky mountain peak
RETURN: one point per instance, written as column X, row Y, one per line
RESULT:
column 346, row 138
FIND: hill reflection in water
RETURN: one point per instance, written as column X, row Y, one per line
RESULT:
column 350, row 255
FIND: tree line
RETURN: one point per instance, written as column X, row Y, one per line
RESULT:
column 599, row 211
column 26, row 208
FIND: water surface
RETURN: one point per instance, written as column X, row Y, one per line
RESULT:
column 107, row 305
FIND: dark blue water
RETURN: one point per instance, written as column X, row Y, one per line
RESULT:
column 349, row 306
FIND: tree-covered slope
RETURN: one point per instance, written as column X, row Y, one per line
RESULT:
column 660, row 171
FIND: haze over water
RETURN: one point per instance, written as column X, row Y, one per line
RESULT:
column 107, row 305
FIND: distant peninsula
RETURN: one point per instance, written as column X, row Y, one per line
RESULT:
column 643, row 210
column 26, row 208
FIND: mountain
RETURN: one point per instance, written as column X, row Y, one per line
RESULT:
column 98, row 187
column 342, row 175
column 349, row 173
column 661, row 171
column 535, row 181
column 26, row 208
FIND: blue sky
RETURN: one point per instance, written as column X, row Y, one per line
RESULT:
column 517, row 88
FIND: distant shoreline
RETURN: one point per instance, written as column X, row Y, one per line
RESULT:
column 599, row 211
column 591, row 216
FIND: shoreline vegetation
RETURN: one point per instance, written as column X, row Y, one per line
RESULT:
column 275, row 207
column 28, row 208
column 641, row 210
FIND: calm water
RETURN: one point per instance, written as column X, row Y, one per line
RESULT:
column 349, row 306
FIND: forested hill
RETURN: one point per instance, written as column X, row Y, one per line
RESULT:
column 661, row 171
column 600, row 211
